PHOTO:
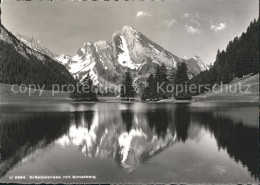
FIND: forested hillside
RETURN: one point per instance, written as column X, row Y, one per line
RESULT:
column 20, row 64
column 240, row 57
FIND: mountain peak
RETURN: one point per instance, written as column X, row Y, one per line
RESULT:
column 87, row 44
column 126, row 27
column 196, row 57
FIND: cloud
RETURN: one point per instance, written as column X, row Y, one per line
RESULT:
column 168, row 23
column 187, row 15
column 219, row 27
column 195, row 22
column 143, row 14
column 192, row 30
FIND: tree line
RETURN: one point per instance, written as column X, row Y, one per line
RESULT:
column 241, row 57
column 162, row 84
column 85, row 90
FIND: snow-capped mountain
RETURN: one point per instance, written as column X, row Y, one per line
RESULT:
column 107, row 61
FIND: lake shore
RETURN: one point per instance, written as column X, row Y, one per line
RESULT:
column 12, row 96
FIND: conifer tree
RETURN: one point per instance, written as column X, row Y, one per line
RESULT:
column 171, row 77
column 181, row 82
column 161, row 81
column 91, row 93
column 156, row 84
column 127, row 87
column 151, row 88
column 164, row 80
column 85, row 91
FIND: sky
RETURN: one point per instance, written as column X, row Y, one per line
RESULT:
column 183, row 27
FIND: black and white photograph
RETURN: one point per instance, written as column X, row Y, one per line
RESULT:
column 129, row 92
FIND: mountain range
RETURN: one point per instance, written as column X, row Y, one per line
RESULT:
column 106, row 61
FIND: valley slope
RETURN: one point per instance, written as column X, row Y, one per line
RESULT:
column 20, row 64
column 249, row 92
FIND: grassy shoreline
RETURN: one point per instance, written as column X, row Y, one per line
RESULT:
column 247, row 95
column 9, row 97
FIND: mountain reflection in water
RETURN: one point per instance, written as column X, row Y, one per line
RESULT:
column 128, row 133
column 129, row 137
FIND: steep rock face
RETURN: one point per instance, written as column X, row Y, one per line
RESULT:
column 196, row 65
column 133, row 50
column 106, row 62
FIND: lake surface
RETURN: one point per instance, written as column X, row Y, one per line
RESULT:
column 117, row 142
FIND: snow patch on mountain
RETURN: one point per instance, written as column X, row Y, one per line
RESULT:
column 63, row 59
column 174, row 63
column 91, row 73
column 203, row 67
column 156, row 50
column 83, row 64
column 103, row 63
column 76, row 58
column 79, row 64
column 124, row 58
column 83, row 50
column 154, row 60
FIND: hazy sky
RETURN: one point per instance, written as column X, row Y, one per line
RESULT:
column 184, row 27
